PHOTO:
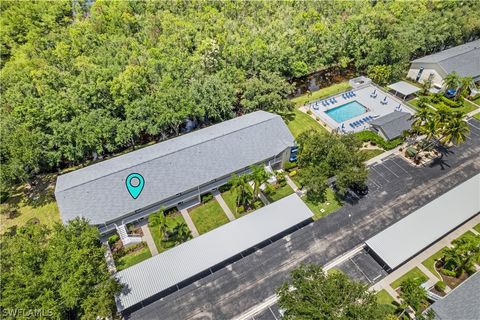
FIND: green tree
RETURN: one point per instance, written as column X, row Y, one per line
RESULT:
column 452, row 81
column 311, row 293
column 60, row 271
column 242, row 189
column 259, row 176
column 380, row 74
column 413, row 294
column 427, row 85
column 463, row 255
column 322, row 156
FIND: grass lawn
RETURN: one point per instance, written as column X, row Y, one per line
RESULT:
column 383, row 297
column 477, row 227
column 157, row 236
column 330, row 205
column 324, row 92
column 279, row 193
column 39, row 205
column 477, row 116
column 430, row 262
column 130, row 259
column 230, row 198
column 303, row 122
column 371, row 153
column 477, row 100
column 466, row 233
column 414, row 273
column 208, row 216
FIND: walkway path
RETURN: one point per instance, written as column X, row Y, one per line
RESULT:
column 189, row 222
column 109, row 258
column 147, row 237
column 291, row 183
column 263, row 198
column 224, row 206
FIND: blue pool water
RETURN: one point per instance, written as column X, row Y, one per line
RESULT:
column 346, row 111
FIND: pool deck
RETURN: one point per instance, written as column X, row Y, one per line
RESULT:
column 363, row 95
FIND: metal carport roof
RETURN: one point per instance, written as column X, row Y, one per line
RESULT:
column 406, row 238
column 164, row 271
column 404, row 88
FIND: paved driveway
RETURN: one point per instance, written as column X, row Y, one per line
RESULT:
column 397, row 189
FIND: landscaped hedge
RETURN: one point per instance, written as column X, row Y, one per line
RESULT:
column 370, row 136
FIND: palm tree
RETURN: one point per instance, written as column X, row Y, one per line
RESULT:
column 456, row 130
column 241, row 187
column 427, row 84
column 451, row 81
column 259, row 177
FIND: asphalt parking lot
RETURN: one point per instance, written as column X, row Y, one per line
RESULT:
column 396, row 190
column 362, row 267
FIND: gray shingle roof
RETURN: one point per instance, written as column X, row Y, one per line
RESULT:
column 98, row 192
column 461, row 303
column 393, row 124
column 171, row 267
column 463, row 59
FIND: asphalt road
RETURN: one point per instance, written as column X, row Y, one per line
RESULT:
column 396, row 190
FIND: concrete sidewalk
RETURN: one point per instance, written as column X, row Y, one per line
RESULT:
column 189, row 223
column 147, row 237
column 224, row 206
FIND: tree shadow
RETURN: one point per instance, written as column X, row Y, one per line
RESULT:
column 441, row 160
column 39, row 192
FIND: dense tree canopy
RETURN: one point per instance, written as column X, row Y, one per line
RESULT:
column 313, row 294
column 85, row 81
column 322, row 156
column 56, row 274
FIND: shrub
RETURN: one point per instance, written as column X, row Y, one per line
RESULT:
column 258, row 204
column 440, row 286
column 292, row 173
column 317, row 118
column 289, row 165
column 375, row 139
column 113, row 239
column 269, row 189
column 448, row 272
column 451, row 103
column 240, row 209
column 207, row 197
column 225, row 187
column 411, row 152
column 309, row 112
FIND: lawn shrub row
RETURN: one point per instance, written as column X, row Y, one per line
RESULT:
column 373, row 138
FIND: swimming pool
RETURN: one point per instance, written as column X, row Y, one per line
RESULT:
column 346, row 111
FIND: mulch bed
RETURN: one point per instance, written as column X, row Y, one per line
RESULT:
column 452, row 282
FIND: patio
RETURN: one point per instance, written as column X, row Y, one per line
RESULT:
column 376, row 101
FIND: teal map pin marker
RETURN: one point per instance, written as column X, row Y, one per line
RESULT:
column 135, row 183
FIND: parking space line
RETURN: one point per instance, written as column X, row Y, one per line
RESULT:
column 356, row 265
column 381, row 175
column 400, row 166
column 390, row 170
column 273, row 313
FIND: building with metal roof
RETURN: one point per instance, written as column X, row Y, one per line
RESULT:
column 392, row 125
column 404, row 239
column 160, row 275
column 463, row 59
column 404, row 89
column 174, row 171
column 463, row 302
